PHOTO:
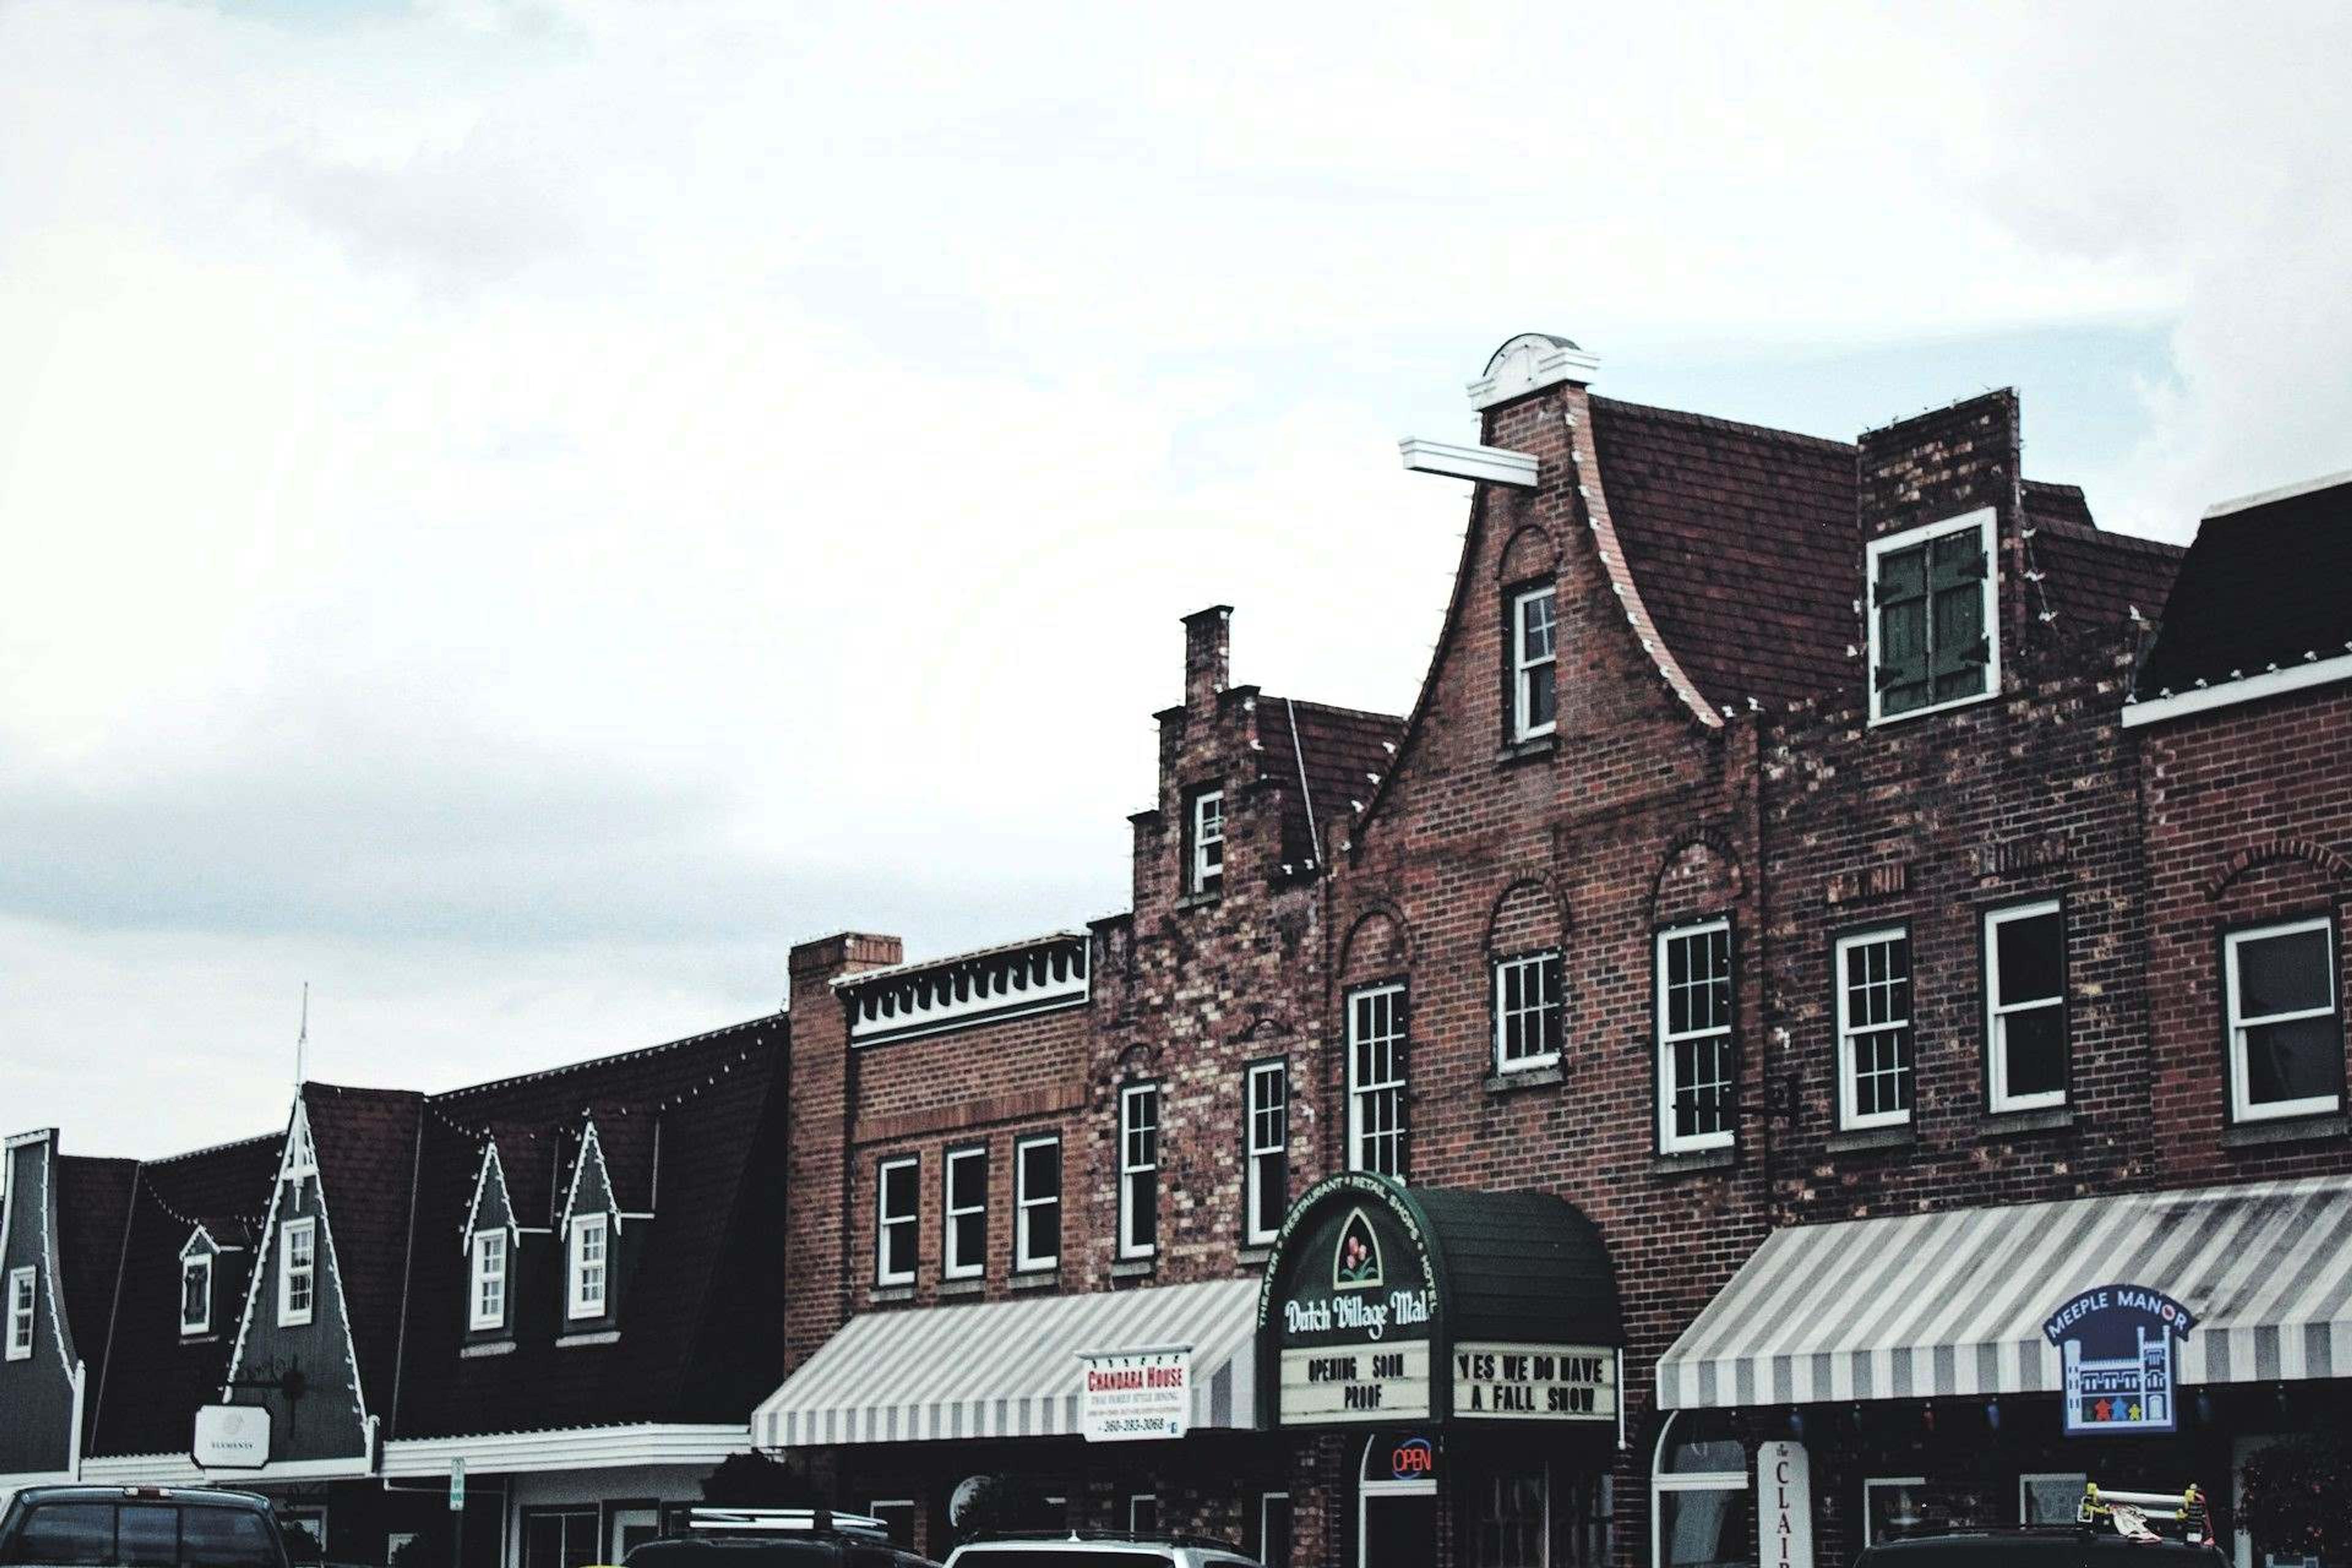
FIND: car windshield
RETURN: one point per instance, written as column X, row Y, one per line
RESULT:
column 142, row 1535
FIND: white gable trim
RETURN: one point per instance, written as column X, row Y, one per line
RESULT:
column 2230, row 693
column 490, row 1163
column 589, row 1144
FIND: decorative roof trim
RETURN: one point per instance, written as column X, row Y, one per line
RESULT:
column 589, row 1144
column 1042, row 974
column 569, row 1067
column 1486, row 465
column 490, row 1161
column 572, row 1449
column 2282, row 492
column 1584, row 462
column 2230, row 693
column 1528, row 362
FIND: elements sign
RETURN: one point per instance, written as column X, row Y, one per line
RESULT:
column 232, row 1437
column 2116, row 1342
column 1535, row 1382
column 1130, row 1395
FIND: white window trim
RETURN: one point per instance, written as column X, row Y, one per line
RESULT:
column 1668, row 1141
column 1357, row 1087
column 884, row 1219
column 1870, row 1484
column 288, row 1315
column 479, row 1275
column 952, row 1265
column 190, row 1265
column 1253, row 1152
column 2242, row 1107
column 1521, row 663
column 23, row 1312
column 1264, row 1500
column 1128, row 1246
column 1850, row 1120
column 1024, row 1260
column 2079, row 1478
column 1688, row 1481
column 578, row 1303
column 1135, row 1498
column 1982, row 520
column 1996, row 1053
column 1533, row 960
column 1203, row 841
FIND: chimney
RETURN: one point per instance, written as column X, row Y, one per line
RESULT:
column 1207, row 656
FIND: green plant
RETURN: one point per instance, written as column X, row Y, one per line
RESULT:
column 2293, row 1496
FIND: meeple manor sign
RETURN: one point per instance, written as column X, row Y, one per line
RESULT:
column 1353, row 1327
column 2116, row 1347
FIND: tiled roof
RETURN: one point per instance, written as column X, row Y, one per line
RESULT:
column 146, row 1395
column 1345, row 752
column 366, row 1144
column 2263, row 586
column 688, row 1133
column 93, row 1207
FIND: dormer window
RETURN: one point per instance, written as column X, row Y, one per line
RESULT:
column 20, row 1314
column 1205, row 841
column 1934, row 632
column 196, row 1294
column 589, row 1269
column 298, row 1272
column 1534, row 663
column 487, row 1293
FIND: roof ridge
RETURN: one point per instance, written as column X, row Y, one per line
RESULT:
column 639, row 1053
column 1337, row 707
column 1715, row 422
column 2065, row 528
column 216, row 1149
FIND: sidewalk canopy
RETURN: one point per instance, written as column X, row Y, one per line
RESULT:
column 1008, row 1369
column 1954, row 1303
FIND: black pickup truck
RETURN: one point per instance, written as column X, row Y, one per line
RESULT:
column 140, row 1527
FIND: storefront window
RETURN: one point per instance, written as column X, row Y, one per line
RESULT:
column 2050, row 1498
column 1508, row 1528
column 1890, row 1508
column 1699, row 1498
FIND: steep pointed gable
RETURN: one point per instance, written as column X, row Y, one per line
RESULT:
column 493, row 1205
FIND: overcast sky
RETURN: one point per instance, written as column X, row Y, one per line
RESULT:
column 515, row 514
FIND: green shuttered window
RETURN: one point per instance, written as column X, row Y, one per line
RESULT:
column 1931, row 612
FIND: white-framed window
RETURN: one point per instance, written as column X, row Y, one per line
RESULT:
column 487, row 1297
column 1273, row 1529
column 590, row 1265
column 1139, row 1170
column 2025, row 1006
column 1935, row 629
column 963, row 1201
column 1695, row 1011
column 1206, row 830
column 1037, row 1203
column 297, row 1271
column 1874, row 1028
column 2050, row 1497
column 1143, row 1513
column 1534, row 663
column 21, row 1293
column 897, row 1223
column 1266, row 1118
column 1699, row 1498
column 1890, row 1508
column 196, row 1294
column 1527, row 1011
column 2286, row 1039
column 1376, row 1080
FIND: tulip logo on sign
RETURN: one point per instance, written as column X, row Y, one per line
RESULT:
column 1355, row 1261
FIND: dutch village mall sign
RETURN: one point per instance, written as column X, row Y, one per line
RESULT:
column 1354, row 1327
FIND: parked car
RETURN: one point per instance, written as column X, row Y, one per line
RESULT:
column 776, row 1538
column 1097, row 1549
column 140, row 1527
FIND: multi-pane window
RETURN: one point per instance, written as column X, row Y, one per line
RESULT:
column 1139, row 1170
column 196, row 1293
column 1037, row 1203
column 1527, row 1011
column 2286, row 1039
column 1376, row 1082
column 590, row 1269
column 297, row 1271
column 964, row 1199
column 1932, row 637
column 2050, row 1497
column 488, row 1292
column 20, row 1313
column 1268, row 1114
column 897, row 1224
column 1874, row 1028
column 560, row 1537
column 1206, row 830
column 1694, row 1001
column 2025, row 1007
column 1512, row 1512
column 1534, row 663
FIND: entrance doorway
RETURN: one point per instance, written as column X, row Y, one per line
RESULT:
column 1396, row 1501
column 632, row 1528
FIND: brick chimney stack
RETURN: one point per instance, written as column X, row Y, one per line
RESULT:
column 1207, row 656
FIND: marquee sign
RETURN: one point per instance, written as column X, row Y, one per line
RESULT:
column 1353, row 1321
column 1535, row 1382
column 2117, row 1343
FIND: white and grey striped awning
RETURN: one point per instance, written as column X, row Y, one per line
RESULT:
column 1953, row 1303
column 1009, row 1369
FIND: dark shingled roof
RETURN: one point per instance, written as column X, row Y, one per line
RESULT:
column 1343, row 748
column 366, row 1142
column 1522, row 1266
column 153, row 1382
column 2263, row 585
column 93, row 1207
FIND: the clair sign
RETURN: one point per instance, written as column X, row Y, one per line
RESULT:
column 1784, row 1506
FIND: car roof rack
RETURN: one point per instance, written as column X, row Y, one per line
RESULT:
column 1151, row 1537
column 783, row 1521
column 2137, row 1514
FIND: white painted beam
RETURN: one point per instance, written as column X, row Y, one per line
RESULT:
column 1487, row 464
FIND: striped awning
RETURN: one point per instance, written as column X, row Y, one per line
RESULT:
column 1009, row 1369
column 1953, row 1303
